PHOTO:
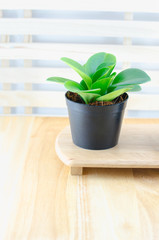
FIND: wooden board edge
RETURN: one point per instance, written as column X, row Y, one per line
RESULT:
column 63, row 158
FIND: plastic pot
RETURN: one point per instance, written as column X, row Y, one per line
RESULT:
column 95, row 127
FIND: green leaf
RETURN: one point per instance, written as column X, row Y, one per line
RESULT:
column 98, row 60
column 131, row 76
column 134, row 88
column 73, row 86
column 111, row 78
column 112, row 95
column 88, row 97
column 99, row 74
column 113, row 75
column 97, row 90
column 107, row 74
column 82, row 83
column 103, row 65
column 58, row 79
column 111, row 67
column 102, row 84
column 79, row 69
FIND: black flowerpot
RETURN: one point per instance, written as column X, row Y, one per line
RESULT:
column 95, row 127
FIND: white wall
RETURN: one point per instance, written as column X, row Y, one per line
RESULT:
column 98, row 15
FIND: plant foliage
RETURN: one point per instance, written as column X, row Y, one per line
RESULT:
column 98, row 81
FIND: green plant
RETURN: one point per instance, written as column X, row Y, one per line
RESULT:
column 99, row 82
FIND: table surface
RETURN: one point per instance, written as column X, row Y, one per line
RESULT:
column 39, row 199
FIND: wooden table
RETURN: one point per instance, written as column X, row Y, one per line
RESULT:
column 39, row 199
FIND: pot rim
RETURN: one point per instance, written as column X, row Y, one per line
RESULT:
column 105, row 106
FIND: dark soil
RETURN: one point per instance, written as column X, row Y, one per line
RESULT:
column 76, row 98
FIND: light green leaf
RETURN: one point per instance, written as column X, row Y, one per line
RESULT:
column 58, row 79
column 131, row 76
column 97, row 90
column 88, row 97
column 112, row 95
column 73, row 86
column 79, row 69
column 134, row 88
column 96, row 60
column 102, row 84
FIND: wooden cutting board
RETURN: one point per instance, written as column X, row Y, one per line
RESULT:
column 138, row 147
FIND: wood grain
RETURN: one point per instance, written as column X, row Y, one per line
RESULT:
column 77, row 171
column 138, row 147
column 40, row 200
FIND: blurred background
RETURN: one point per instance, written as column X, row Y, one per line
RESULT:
column 35, row 35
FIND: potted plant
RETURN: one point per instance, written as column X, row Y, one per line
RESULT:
column 96, row 104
